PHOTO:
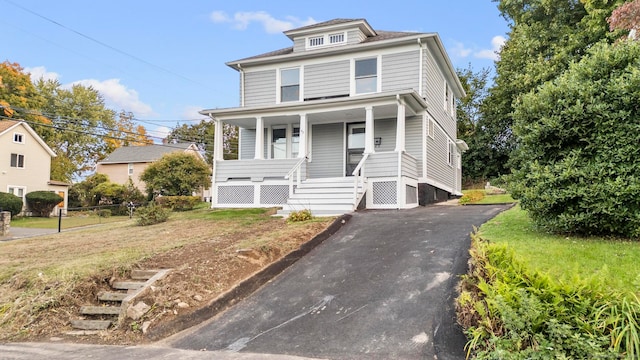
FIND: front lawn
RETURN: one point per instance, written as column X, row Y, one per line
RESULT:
column 68, row 222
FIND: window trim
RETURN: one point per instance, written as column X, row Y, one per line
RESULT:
column 450, row 152
column 279, row 84
column 17, row 161
column 23, row 188
column 431, row 127
column 21, row 137
column 325, row 40
column 353, row 75
column 130, row 169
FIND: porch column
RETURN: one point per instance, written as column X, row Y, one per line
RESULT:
column 400, row 132
column 302, row 145
column 368, row 130
column 218, row 141
column 259, row 153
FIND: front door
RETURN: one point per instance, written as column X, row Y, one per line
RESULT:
column 355, row 146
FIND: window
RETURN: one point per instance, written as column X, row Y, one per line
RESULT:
column 290, row 85
column 295, row 142
column 279, row 143
column 316, row 41
column 366, row 76
column 18, row 191
column 450, row 152
column 336, row 38
column 130, row 169
column 17, row 161
column 18, row 138
column 430, row 127
column 446, row 95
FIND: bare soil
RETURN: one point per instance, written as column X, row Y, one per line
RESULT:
column 209, row 259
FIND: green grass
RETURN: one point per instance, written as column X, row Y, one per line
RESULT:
column 496, row 199
column 565, row 257
column 68, row 222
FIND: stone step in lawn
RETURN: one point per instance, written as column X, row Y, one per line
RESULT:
column 112, row 296
column 127, row 285
column 100, row 310
column 91, row 324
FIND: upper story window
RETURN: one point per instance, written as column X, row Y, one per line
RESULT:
column 336, row 38
column 290, row 84
column 17, row 161
column 18, row 138
column 450, row 152
column 316, row 41
column 366, row 76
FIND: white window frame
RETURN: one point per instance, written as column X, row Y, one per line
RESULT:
column 313, row 42
column 342, row 35
column 130, row 169
column 17, row 161
column 18, row 138
column 324, row 40
column 353, row 75
column 431, row 126
column 17, row 187
column 279, row 84
column 450, row 152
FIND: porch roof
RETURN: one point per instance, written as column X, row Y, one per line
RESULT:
column 325, row 110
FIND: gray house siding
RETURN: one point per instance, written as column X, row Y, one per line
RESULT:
column 355, row 37
column 327, row 151
column 247, row 144
column 260, row 88
column 382, row 165
column 438, row 168
column 401, row 71
column 434, row 93
column 328, row 79
column 385, row 129
column 298, row 44
column 414, row 138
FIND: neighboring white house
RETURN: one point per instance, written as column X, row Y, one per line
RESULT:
column 25, row 164
column 347, row 117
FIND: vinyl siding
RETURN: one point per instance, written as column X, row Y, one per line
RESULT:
column 260, row 88
column 414, row 139
column 328, row 79
column 401, row 71
column 382, row 165
column 434, row 94
column 327, row 151
column 256, row 170
column 299, row 44
column 247, row 144
column 437, row 166
column 386, row 130
column 355, row 37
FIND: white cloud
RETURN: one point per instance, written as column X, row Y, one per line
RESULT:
column 494, row 53
column 192, row 113
column 40, row 72
column 460, row 51
column 118, row 96
column 242, row 19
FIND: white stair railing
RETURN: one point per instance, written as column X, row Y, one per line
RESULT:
column 298, row 174
column 359, row 180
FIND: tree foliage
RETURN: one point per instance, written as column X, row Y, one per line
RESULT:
column 579, row 146
column 41, row 203
column 626, row 17
column 126, row 133
column 176, row 174
column 10, row 203
column 202, row 134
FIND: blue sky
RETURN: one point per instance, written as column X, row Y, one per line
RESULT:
column 164, row 60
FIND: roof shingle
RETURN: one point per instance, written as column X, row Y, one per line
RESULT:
column 147, row 153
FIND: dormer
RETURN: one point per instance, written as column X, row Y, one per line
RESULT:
column 337, row 32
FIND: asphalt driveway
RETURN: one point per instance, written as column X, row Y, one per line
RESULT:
column 382, row 287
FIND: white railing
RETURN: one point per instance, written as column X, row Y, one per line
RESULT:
column 298, row 174
column 359, row 180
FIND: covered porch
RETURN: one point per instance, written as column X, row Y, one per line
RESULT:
column 301, row 155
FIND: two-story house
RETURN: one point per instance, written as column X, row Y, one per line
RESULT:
column 25, row 163
column 348, row 117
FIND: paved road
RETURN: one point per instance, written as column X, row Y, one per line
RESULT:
column 21, row 233
column 382, row 287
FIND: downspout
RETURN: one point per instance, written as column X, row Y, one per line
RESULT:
column 213, row 174
column 420, row 73
column 241, row 85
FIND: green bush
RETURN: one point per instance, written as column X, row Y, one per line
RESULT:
column 298, row 216
column 10, row 203
column 178, row 203
column 41, row 203
column 152, row 214
column 471, row 197
column 511, row 312
column 105, row 213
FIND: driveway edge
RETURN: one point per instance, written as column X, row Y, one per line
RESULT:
column 246, row 287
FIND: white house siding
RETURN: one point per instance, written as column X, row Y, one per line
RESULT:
column 247, row 144
column 401, row 71
column 299, row 44
column 328, row 79
column 434, row 94
column 260, row 88
column 327, row 151
column 437, row 167
column 414, row 139
column 355, row 37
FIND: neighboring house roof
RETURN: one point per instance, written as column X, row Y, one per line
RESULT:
column 147, row 153
column 58, row 183
column 9, row 125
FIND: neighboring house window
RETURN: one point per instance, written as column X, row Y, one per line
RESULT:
column 17, row 161
column 18, row 191
column 290, row 85
column 130, row 169
column 316, row 41
column 18, row 138
column 336, row 38
column 366, row 76
column 279, row 143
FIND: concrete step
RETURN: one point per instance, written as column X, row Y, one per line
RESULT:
column 100, row 310
column 340, row 196
column 142, row 274
column 318, row 207
column 127, row 285
column 91, row 324
column 112, row 296
column 324, row 190
column 321, row 201
column 334, row 180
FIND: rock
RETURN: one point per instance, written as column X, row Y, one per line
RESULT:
column 183, row 305
column 145, row 326
column 138, row 310
column 197, row 298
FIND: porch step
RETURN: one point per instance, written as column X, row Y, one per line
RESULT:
column 112, row 296
column 100, row 310
column 127, row 285
column 342, row 195
column 139, row 274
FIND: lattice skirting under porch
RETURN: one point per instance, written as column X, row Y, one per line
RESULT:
column 392, row 193
column 247, row 194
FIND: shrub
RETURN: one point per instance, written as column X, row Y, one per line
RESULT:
column 472, row 197
column 152, row 214
column 297, row 216
column 41, row 203
column 10, row 203
column 105, row 213
column 178, row 203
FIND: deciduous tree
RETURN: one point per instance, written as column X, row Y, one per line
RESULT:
column 176, row 174
column 202, row 134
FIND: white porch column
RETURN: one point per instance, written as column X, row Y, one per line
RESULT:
column 368, row 131
column 218, row 141
column 302, row 145
column 259, row 153
column 400, row 130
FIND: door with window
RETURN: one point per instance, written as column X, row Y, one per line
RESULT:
column 355, row 146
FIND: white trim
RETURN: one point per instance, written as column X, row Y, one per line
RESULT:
column 32, row 133
column 22, row 138
column 344, row 149
column 421, row 69
column 424, row 136
column 24, row 192
column 352, row 85
column 326, row 40
column 279, row 84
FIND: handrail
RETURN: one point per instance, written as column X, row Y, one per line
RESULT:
column 296, row 170
column 295, row 167
column 358, row 179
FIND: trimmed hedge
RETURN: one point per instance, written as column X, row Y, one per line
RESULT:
column 10, row 203
column 41, row 203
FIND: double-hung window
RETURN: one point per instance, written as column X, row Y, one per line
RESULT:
column 18, row 138
column 366, row 76
column 130, row 169
column 290, row 84
column 279, row 143
column 17, row 161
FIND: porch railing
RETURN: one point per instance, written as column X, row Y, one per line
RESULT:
column 298, row 174
column 359, row 180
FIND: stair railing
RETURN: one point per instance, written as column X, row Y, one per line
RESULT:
column 298, row 174
column 359, row 180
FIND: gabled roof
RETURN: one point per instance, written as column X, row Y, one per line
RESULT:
column 147, row 153
column 335, row 24
column 7, row 126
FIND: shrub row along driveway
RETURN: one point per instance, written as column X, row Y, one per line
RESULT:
column 382, row 287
